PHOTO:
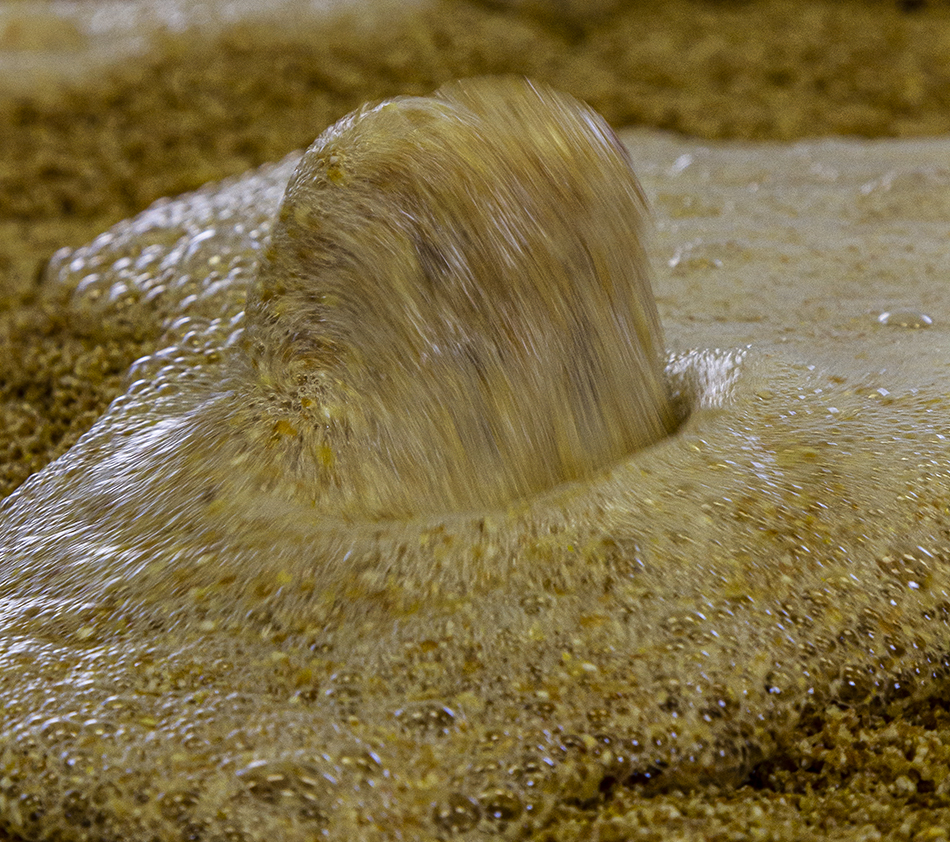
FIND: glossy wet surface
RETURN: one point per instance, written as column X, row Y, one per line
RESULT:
column 187, row 657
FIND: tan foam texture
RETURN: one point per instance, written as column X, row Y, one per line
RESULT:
column 182, row 659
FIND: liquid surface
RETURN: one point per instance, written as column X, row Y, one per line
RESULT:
column 193, row 659
column 454, row 310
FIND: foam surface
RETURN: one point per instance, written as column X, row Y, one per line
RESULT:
column 180, row 659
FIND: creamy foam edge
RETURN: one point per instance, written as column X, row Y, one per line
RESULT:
column 788, row 546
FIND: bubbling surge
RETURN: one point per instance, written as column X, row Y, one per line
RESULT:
column 218, row 622
column 455, row 309
column 368, row 428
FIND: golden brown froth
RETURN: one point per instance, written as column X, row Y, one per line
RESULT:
column 190, row 649
column 455, row 305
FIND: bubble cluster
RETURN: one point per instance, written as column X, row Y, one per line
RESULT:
column 194, row 647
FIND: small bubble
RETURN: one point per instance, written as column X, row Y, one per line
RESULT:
column 59, row 728
column 177, row 806
column 366, row 764
column 855, row 684
column 457, row 814
column 500, row 805
column 430, row 717
column 271, row 782
column 910, row 319
column 911, row 567
column 576, row 743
